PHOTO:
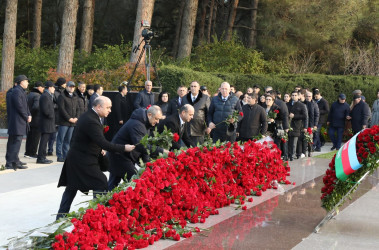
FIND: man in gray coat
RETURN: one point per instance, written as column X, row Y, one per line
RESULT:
column 200, row 102
column 222, row 106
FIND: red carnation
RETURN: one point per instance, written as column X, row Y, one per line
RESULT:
column 276, row 111
column 309, row 130
column 176, row 137
column 148, row 106
column 105, row 129
column 241, row 114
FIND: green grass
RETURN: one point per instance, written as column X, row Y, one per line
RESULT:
column 327, row 155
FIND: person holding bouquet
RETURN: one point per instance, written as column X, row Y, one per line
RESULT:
column 275, row 120
column 254, row 120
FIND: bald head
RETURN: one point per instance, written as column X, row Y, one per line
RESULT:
column 102, row 105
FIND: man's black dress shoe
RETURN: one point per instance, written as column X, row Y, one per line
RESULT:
column 21, row 163
column 44, row 161
column 333, row 148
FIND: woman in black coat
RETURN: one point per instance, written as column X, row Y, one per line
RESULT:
column 163, row 102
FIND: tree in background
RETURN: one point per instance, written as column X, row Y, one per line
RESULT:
column 188, row 29
column 9, row 45
column 144, row 13
column 36, row 43
column 67, row 46
column 87, row 26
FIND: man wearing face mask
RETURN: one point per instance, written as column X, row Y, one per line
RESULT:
column 139, row 124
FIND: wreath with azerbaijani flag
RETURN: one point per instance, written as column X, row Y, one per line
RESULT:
column 352, row 161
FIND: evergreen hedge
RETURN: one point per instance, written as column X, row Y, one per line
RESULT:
column 330, row 85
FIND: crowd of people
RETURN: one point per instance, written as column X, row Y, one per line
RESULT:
column 75, row 115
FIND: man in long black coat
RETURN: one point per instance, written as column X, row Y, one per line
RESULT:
column 178, row 123
column 139, row 124
column 359, row 115
column 81, row 169
column 298, row 115
column 46, row 121
column 18, row 122
column 33, row 137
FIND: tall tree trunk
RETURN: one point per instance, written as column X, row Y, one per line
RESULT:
column 9, row 45
column 214, row 20
column 67, row 46
column 204, row 4
column 188, row 29
column 178, row 28
column 210, row 19
column 37, row 24
column 253, row 32
column 144, row 13
column 231, row 19
column 86, row 37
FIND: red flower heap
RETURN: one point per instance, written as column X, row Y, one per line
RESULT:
column 367, row 152
column 176, row 190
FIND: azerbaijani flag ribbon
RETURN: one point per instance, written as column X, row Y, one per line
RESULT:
column 346, row 161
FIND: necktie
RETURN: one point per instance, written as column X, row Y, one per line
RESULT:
column 193, row 99
column 181, row 128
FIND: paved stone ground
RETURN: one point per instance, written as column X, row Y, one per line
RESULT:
column 30, row 198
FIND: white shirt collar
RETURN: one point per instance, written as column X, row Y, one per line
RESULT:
column 181, row 121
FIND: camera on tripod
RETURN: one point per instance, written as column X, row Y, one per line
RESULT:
column 147, row 33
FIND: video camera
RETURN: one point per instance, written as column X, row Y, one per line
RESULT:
column 147, row 33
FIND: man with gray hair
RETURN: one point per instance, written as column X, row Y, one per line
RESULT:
column 139, row 124
column 145, row 97
column 223, row 105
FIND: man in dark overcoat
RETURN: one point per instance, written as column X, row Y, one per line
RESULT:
column 33, row 137
column 81, row 169
column 18, row 122
column 46, row 121
column 145, row 97
column 298, row 115
column 82, row 98
column 201, row 103
column 120, row 107
column 359, row 115
column 175, row 103
column 178, row 123
column 139, row 124
column 254, row 120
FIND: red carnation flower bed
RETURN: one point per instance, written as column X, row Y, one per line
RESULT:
column 173, row 191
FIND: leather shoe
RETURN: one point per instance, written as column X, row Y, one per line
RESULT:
column 44, row 161
column 7, row 166
column 291, row 158
column 317, row 149
column 333, row 148
column 21, row 163
column 49, row 153
column 60, row 160
column 18, row 166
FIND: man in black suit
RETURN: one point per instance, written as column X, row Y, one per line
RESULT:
column 81, row 170
column 18, row 122
column 175, row 104
column 178, row 123
column 139, row 124
column 46, row 121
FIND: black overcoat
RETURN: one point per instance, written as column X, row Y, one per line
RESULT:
column 33, row 104
column 173, row 124
column 81, row 170
column 47, row 114
column 18, row 112
column 131, row 133
column 201, row 105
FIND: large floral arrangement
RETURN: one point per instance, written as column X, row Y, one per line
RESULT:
column 188, row 186
column 368, row 155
